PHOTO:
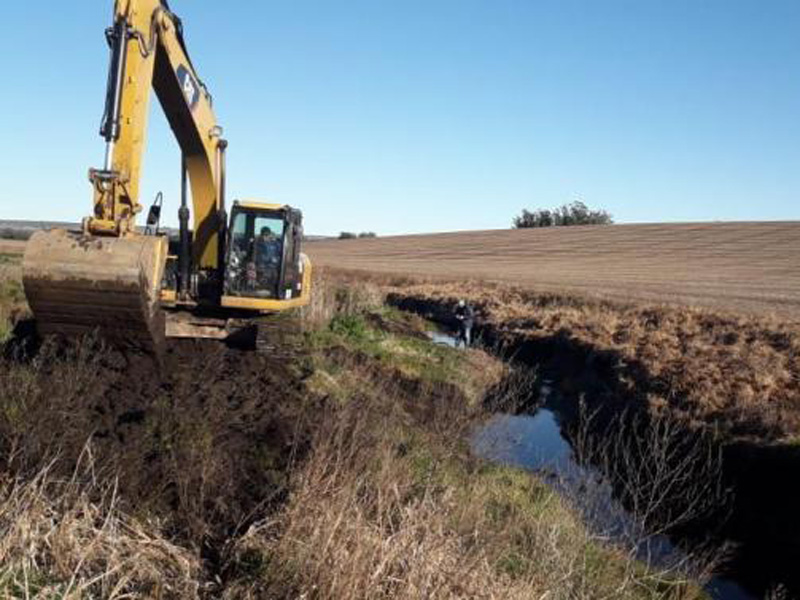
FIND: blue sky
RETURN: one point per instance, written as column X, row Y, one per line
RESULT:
column 436, row 115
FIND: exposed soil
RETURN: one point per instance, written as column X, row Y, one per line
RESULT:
column 205, row 441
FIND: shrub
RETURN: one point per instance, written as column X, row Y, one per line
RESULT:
column 347, row 235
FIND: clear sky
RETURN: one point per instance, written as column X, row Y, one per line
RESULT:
column 435, row 115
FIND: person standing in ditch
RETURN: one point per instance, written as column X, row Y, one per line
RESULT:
column 465, row 315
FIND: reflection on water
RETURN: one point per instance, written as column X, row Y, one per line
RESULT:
column 445, row 339
column 528, row 441
column 535, row 442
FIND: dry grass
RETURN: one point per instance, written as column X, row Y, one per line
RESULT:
column 12, row 297
column 206, row 479
column 331, row 297
column 736, row 374
column 69, row 539
column 391, row 505
column 730, row 266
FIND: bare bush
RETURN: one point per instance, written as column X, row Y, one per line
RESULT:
column 513, row 393
column 645, row 478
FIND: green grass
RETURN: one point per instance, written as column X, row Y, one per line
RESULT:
column 11, row 292
column 526, row 529
column 12, row 299
column 10, row 259
column 414, row 357
column 30, row 583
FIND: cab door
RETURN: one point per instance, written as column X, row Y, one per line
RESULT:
column 292, row 276
column 255, row 254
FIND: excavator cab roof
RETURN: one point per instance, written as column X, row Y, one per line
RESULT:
column 283, row 211
column 258, row 205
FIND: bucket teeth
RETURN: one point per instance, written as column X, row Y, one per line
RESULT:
column 77, row 284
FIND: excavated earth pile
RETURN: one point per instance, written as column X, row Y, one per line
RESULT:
column 203, row 441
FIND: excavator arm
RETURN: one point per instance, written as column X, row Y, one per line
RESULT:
column 148, row 51
column 108, row 276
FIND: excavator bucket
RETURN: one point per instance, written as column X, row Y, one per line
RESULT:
column 77, row 284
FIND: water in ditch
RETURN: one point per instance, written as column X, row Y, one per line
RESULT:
column 760, row 561
column 443, row 339
column 535, row 442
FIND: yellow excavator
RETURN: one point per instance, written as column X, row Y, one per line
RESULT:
column 134, row 285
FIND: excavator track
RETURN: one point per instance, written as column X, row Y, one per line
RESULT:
column 77, row 284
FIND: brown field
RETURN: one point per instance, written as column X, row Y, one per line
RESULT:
column 733, row 266
column 12, row 247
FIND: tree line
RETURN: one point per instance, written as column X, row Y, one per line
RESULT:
column 349, row 235
column 575, row 213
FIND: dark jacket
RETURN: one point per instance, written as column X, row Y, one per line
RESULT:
column 465, row 314
column 268, row 252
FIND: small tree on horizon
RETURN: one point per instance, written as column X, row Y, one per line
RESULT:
column 575, row 213
column 348, row 235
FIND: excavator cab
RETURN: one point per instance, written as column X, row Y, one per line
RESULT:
column 263, row 260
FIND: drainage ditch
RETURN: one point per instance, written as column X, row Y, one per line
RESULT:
column 756, row 525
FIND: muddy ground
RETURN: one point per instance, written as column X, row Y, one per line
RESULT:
column 204, row 440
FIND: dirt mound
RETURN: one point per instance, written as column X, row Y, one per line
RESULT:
column 203, row 441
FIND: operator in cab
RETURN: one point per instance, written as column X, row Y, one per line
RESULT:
column 268, row 255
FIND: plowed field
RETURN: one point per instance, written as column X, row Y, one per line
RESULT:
column 12, row 247
column 736, row 266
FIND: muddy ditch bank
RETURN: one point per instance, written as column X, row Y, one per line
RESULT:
column 761, row 525
column 205, row 441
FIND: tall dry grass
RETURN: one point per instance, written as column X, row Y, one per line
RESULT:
column 333, row 296
column 117, row 479
column 380, row 498
column 390, row 504
column 737, row 375
column 69, row 538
